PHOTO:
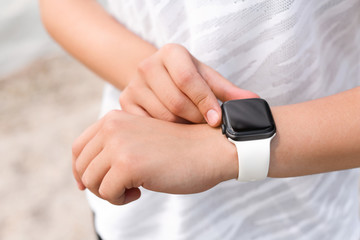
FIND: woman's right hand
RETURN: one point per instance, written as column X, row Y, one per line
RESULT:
column 174, row 86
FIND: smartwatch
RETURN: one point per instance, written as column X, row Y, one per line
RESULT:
column 249, row 124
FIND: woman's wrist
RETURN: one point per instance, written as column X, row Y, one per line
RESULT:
column 225, row 154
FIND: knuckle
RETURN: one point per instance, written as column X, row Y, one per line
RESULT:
column 171, row 52
column 78, row 168
column 130, row 93
column 169, row 47
column 145, row 66
column 104, row 193
column 76, row 147
column 201, row 100
column 176, row 105
column 110, row 125
column 185, row 77
column 124, row 99
column 86, row 180
column 111, row 197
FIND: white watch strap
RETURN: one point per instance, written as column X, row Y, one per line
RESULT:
column 253, row 159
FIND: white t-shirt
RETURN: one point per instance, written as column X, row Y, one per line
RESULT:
column 287, row 51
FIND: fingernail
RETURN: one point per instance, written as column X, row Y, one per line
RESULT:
column 212, row 117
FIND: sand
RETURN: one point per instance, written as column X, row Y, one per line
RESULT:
column 43, row 109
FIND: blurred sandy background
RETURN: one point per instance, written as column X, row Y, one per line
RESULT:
column 46, row 100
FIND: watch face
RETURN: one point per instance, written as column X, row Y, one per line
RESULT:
column 247, row 119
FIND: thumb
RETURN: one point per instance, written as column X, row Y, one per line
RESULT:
column 223, row 89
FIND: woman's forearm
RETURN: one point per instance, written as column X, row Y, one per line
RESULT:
column 317, row 136
column 122, row 152
column 95, row 38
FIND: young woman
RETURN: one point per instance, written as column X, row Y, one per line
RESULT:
column 173, row 60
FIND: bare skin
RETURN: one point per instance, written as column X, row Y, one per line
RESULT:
column 181, row 88
column 317, row 136
column 174, row 86
column 123, row 151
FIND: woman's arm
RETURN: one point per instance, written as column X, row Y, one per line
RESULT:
column 169, row 84
column 95, row 38
column 122, row 152
column 317, row 136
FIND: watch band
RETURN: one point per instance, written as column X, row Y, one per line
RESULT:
column 253, row 159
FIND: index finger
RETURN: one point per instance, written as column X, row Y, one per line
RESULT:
column 187, row 78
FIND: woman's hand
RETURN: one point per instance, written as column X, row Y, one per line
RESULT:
column 122, row 152
column 174, row 86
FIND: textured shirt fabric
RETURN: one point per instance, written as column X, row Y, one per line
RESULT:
column 287, row 51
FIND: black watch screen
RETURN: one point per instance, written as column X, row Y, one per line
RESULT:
column 247, row 119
